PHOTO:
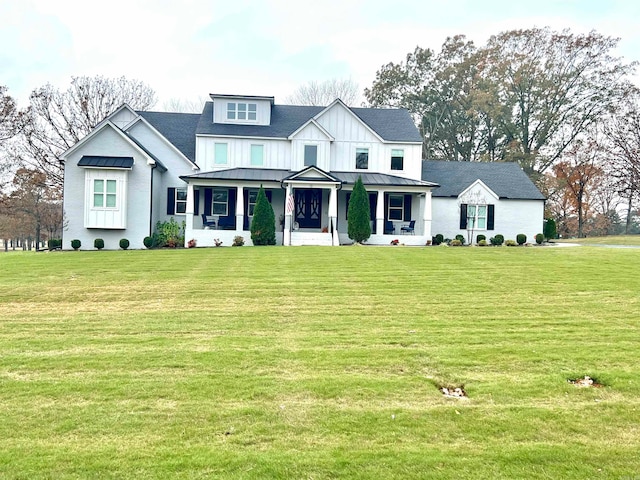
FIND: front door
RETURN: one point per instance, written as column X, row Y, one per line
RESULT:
column 308, row 211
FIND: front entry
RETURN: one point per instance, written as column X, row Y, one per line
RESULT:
column 308, row 213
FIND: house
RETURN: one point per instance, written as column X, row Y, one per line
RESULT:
column 137, row 168
column 483, row 198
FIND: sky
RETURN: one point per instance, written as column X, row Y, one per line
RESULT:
column 187, row 49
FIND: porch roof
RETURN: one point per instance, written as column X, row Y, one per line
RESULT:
column 350, row 178
column 105, row 162
column 249, row 174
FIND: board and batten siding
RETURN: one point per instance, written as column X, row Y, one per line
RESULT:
column 263, row 110
column 276, row 153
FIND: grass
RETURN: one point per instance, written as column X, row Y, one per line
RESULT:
column 319, row 363
column 623, row 240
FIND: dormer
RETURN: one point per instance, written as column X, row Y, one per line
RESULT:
column 241, row 109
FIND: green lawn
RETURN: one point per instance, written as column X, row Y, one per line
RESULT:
column 320, row 363
column 629, row 240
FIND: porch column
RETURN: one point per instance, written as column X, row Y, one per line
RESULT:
column 380, row 213
column 333, row 215
column 188, row 218
column 240, row 209
column 426, row 216
column 288, row 215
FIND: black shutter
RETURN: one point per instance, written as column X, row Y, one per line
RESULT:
column 407, row 208
column 463, row 216
column 373, row 205
column 346, row 212
column 208, row 200
column 233, row 194
column 171, row 201
column 196, row 202
column 386, row 206
column 245, row 218
column 491, row 217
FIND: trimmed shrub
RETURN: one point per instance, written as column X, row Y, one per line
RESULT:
column 148, row 242
column 521, row 238
column 54, row 243
column 438, row 239
column 482, row 243
column 497, row 240
column 460, row 238
column 124, row 243
column 263, row 224
column 359, row 214
column 98, row 243
column 455, row 243
column 76, row 244
column 549, row 230
column 539, row 238
column 510, row 243
column 238, row 241
column 480, row 237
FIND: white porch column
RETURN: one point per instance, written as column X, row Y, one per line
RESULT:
column 189, row 211
column 288, row 215
column 380, row 213
column 240, row 208
column 426, row 216
column 333, row 215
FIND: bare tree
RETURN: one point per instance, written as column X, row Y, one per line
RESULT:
column 56, row 120
column 182, row 105
column 323, row 93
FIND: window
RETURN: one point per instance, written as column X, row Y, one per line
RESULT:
column 242, row 111
column 397, row 159
column 220, row 154
column 396, row 207
column 257, row 155
column 362, row 158
column 251, row 202
column 181, row 200
column 104, row 193
column 310, row 155
column 220, row 202
column 477, row 217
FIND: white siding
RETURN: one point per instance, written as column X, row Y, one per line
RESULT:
column 311, row 135
column 263, row 110
column 123, row 118
column 277, row 153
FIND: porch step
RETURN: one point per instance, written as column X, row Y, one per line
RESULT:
column 310, row 238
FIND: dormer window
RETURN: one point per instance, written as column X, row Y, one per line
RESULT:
column 242, row 111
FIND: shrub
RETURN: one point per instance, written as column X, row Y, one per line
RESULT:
column 238, row 241
column 438, row 239
column 169, row 234
column 54, row 243
column 539, row 238
column 460, row 238
column 124, row 243
column 455, row 243
column 148, row 242
column 550, row 229
column 263, row 224
column 510, row 243
column 191, row 243
column 521, row 238
column 480, row 237
column 497, row 240
column 76, row 244
column 98, row 243
column 482, row 243
column 359, row 214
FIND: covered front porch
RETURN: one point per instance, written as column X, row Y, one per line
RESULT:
column 310, row 206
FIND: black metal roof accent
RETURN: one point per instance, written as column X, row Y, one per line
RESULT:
column 105, row 162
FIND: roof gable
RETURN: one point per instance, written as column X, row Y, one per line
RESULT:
column 312, row 125
column 312, row 173
column 339, row 104
column 97, row 131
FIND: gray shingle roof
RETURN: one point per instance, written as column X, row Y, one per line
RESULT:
column 507, row 180
column 392, row 125
column 105, row 162
column 178, row 128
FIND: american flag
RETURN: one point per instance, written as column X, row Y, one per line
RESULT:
column 289, row 209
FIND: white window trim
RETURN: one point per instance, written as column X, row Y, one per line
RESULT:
column 389, row 208
column 391, row 159
column 261, row 164
column 304, row 151
column 106, row 217
column 355, row 157
column 105, row 193
column 213, row 202
column 215, row 153
column 177, row 201
column 472, row 221
column 235, row 111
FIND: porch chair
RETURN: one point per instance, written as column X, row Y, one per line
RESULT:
column 389, row 228
column 208, row 222
column 408, row 228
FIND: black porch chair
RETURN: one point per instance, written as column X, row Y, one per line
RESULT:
column 389, row 228
column 409, row 228
column 208, row 222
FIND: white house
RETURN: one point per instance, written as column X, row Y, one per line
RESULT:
column 137, row 168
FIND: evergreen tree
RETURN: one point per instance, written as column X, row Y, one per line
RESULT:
column 263, row 225
column 550, row 232
column 359, row 228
